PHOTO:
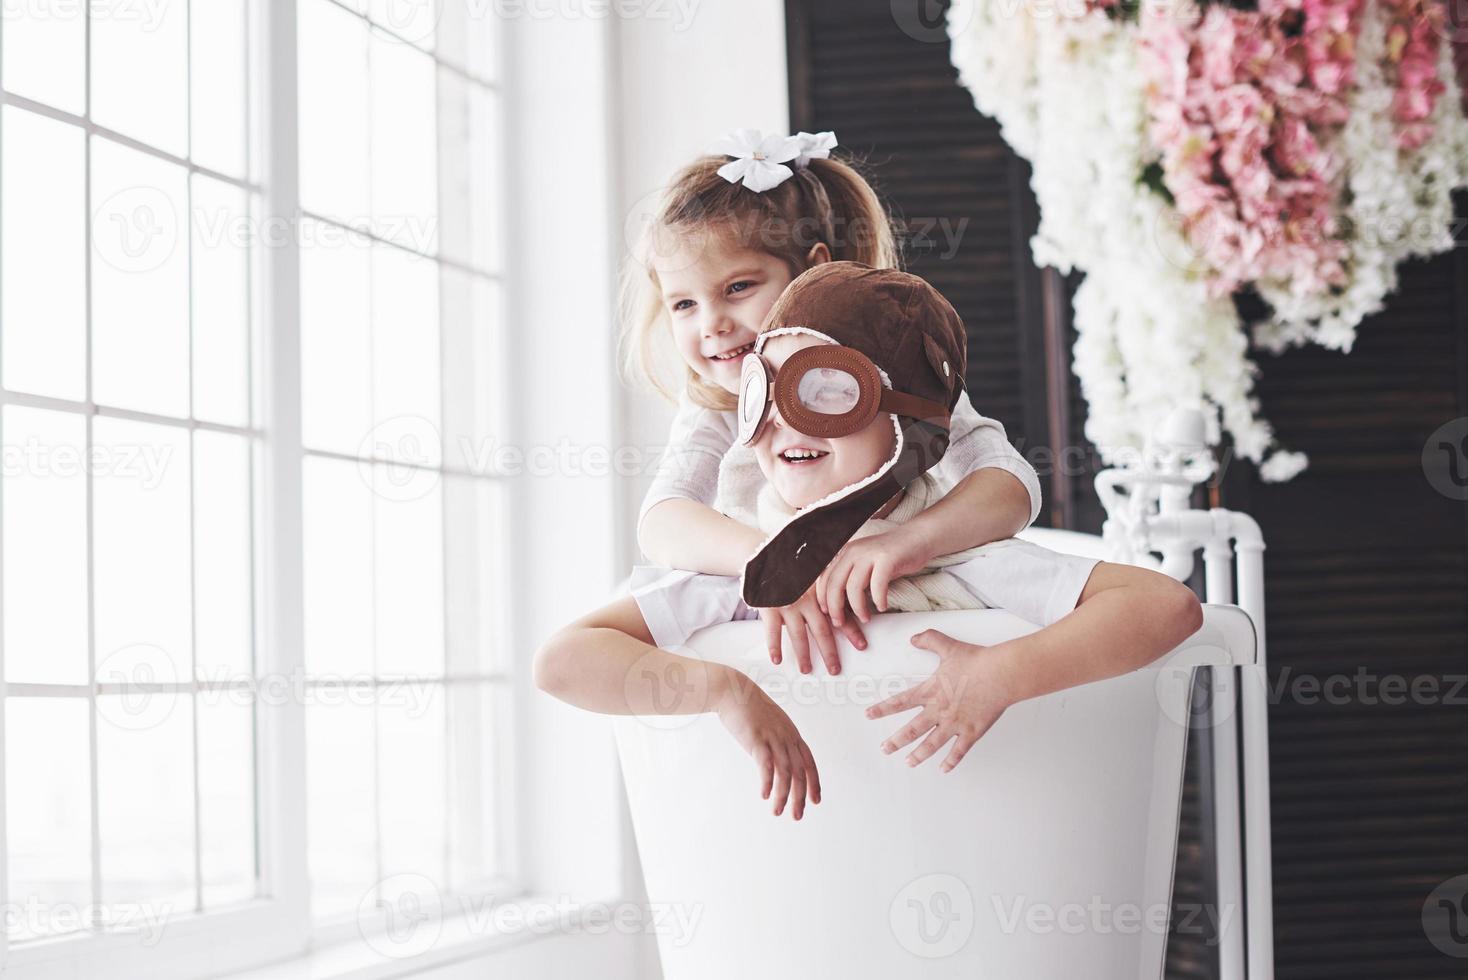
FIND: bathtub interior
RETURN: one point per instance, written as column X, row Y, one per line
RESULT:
column 1048, row 852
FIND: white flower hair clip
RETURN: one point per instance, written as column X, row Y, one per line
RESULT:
column 759, row 160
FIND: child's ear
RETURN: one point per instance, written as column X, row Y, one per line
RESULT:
column 819, row 254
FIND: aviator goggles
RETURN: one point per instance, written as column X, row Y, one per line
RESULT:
column 827, row 391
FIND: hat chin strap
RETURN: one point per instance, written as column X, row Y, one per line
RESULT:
column 790, row 561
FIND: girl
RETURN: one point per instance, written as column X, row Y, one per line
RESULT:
column 733, row 231
column 1100, row 619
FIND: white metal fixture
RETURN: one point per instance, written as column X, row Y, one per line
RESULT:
column 1148, row 514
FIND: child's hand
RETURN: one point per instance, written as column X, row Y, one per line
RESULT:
column 802, row 616
column 963, row 698
column 867, row 566
column 766, row 732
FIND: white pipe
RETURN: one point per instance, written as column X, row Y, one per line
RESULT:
column 1177, row 534
column 1257, row 826
column 1229, row 855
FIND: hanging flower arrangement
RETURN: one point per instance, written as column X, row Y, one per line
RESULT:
column 1184, row 153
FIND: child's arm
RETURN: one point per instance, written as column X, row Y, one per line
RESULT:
column 995, row 495
column 606, row 662
column 679, row 532
column 990, row 504
column 1126, row 618
column 676, row 526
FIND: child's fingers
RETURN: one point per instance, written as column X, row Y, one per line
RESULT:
column 881, row 582
column 795, row 627
column 901, row 701
column 856, row 591
column 782, row 779
column 960, row 749
column 910, row 732
column 766, row 763
column 940, row 643
column 813, row 775
column 772, row 634
column 836, row 591
column 826, row 643
column 936, row 739
column 852, row 631
column 797, row 787
column 819, row 591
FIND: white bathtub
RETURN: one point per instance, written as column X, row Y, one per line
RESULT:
column 1048, row 853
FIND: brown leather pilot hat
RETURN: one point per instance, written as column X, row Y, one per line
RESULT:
column 918, row 342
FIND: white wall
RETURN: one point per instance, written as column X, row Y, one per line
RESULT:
column 682, row 85
column 607, row 109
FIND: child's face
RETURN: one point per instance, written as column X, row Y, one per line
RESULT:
column 837, row 463
column 717, row 294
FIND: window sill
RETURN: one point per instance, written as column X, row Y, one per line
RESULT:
column 457, row 938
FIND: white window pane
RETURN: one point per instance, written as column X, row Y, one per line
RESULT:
column 338, row 568
column 474, row 550
column 226, row 797
column 409, row 574
column 406, row 388
column 45, row 546
column 141, row 549
column 485, row 174
column 412, row 21
column 43, row 299
column 140, row 281
column 469, row 200
column 404, row 141
column 217, row 30
column 48, row 812
column 477, row 759
column 221, row 301
column 412, row 758
column 145, row 798
column 333, row 111
column 336, row 351
column 475, row 405
column 44, row 54
column 341, row 800
column 222, row 556
column 140, row 73
column 468, row 37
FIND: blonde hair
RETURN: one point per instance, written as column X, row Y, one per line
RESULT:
column 828, row 202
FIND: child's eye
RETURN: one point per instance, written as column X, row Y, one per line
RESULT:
column 682, row 304
column 741, row 286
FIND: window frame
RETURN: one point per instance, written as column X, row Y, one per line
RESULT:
column 276, row 926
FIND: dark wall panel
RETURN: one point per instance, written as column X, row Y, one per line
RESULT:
column 1367, row 563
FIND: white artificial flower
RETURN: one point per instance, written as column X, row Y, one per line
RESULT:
column 814, row 146
column 1067, row 92
column 759, row 160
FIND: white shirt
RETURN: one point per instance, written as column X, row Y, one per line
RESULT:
column 700, row 437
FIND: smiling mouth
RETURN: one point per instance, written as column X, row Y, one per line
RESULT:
column 732, row 354
column 801, row 457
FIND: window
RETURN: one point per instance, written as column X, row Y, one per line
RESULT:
column 160, row 682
